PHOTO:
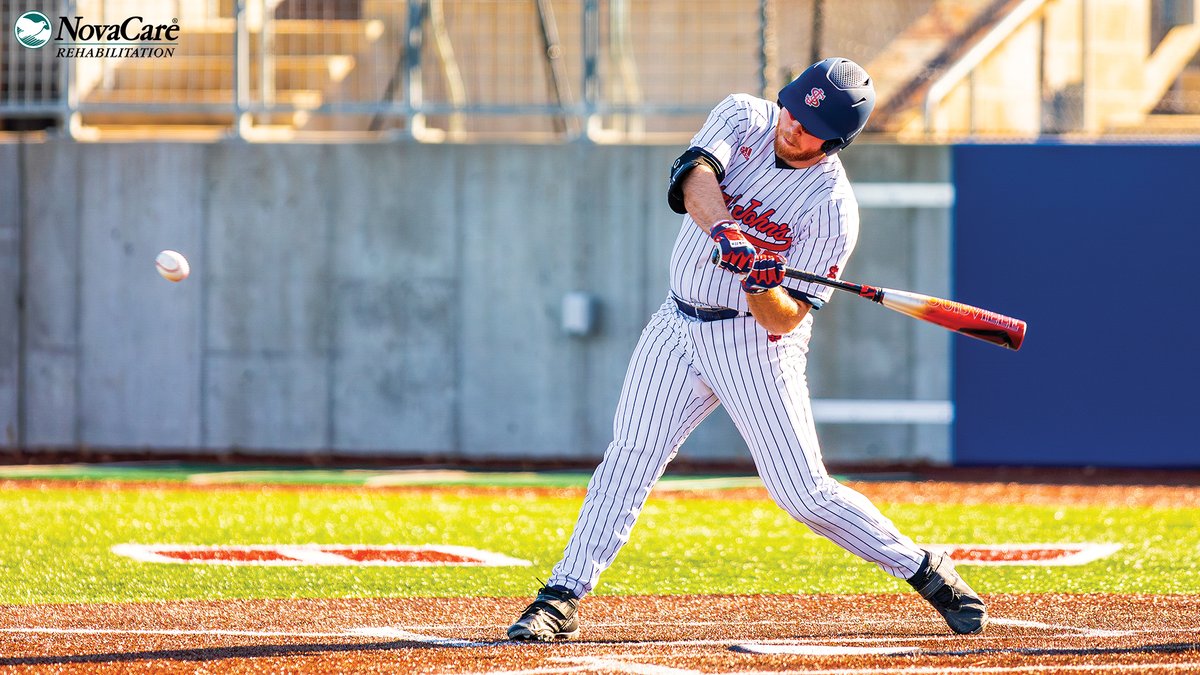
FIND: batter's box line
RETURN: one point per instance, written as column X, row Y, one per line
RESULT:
column 897, row 647
column 392, row 633
column 609, row 663
column 624, row 664
column 1170, row 648
column 1079, row 630
column 383, row 632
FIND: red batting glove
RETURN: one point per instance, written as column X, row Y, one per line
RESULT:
column 766, row 273
column 737, row 254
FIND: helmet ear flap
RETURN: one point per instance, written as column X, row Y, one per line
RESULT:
column 832, row 145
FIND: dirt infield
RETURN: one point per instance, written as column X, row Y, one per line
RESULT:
column 665, row 635
column 659, row 635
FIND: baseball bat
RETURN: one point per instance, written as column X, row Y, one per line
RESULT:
column 970, row 321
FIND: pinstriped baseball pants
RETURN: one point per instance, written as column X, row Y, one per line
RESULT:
column 681, row 370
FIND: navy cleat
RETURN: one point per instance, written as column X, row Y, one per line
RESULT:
column 939, row 583
column 553, row 615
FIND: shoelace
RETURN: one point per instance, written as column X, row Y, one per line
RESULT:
column 545, row 606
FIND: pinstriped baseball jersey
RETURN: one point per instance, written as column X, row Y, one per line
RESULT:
column 683, row 367
column 681, row 370
column 808, row 216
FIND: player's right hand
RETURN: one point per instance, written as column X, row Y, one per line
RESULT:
column 736, row 252
column 765, row 274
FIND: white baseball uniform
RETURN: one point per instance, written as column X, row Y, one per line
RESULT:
column 683, row 367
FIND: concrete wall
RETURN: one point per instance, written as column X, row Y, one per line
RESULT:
column 395, row 299
column 10, row 293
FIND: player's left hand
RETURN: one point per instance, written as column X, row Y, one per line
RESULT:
column 766, row 273
column 733, row 251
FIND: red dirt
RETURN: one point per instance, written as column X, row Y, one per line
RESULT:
column 620, row 634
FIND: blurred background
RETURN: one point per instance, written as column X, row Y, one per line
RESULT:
column 432, row 230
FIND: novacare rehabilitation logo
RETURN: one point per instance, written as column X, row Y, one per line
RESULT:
column 131, row 38
column 32, row 30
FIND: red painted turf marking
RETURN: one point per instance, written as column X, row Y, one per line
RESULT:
column 400, row 556
column 1027, row 554
column 224, row 555
column 993, row 555
column 307, row 554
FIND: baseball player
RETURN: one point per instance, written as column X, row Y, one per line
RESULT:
column 760, row 187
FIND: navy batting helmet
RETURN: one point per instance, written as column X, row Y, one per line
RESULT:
column 832, row 99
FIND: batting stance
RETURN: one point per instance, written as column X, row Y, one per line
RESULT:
column 763, row 186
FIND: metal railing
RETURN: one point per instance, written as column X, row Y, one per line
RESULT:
column 594, row 70
column 432, row 69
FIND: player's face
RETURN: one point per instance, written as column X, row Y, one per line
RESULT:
column 793, row 144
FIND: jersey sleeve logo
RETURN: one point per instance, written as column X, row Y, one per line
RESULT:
column 833, row 272
column 745, row 152
column 815, row 97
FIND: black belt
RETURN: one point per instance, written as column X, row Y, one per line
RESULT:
column 708, row 314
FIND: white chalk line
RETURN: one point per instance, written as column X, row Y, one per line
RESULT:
column 172, row 632
column 619, row 664
column 608, row 664
column 629, row 664
column 391, row 633
column 683, row 624
column 407, row 632
column 384, row 632
column 822, row 650
column 1083, row 632
column 936, row 670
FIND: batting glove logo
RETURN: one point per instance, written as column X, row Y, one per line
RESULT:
column 735, row 253
column 815, row 97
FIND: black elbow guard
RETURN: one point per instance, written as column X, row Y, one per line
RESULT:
column 689, row 160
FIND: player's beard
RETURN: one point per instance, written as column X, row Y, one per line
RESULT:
column 790, row 154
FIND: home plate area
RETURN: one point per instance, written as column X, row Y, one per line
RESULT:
column 646, row 635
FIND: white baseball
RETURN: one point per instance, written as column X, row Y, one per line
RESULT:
column 172, row 266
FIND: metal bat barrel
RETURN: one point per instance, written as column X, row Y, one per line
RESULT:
column 971, row 321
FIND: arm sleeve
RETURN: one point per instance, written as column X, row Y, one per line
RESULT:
column 824, row 246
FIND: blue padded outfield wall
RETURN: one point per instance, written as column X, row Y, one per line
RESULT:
column 1097, row 247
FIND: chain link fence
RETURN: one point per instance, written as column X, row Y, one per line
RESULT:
column 601, row 70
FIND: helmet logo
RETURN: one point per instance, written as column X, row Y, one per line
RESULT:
column 815, row 97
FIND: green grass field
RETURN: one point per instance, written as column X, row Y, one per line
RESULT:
column 56, row 545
